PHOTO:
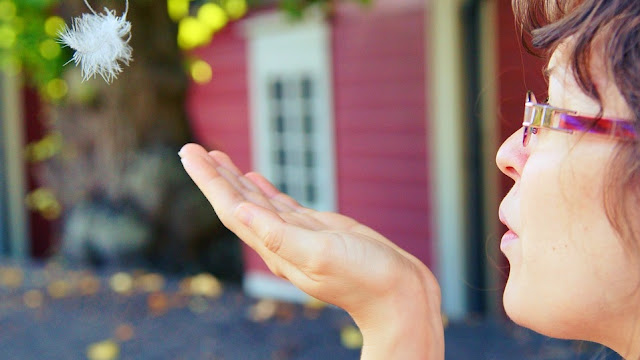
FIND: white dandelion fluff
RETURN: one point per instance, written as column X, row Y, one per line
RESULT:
column 101, row 43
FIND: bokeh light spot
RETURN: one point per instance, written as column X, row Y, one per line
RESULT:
column 44, row 201
column 49, row 49
column 193, row 33
column 213, row 16
column 7, row 37
column 7, row 10
column 53, row 25
column 11, row 65
column 235, row 8
column 56, row 89
column 177, row 9
column 201, row 72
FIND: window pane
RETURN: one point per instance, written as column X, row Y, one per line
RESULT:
column 306, row 87
column 309, row 159
column 311, row 193
column 276, row 90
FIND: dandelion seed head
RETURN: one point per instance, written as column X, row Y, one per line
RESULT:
column 101, row 44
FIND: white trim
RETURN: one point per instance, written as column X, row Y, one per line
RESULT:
column 14, row 134
column 278, row 45
column 263, row 285
column 446, row 115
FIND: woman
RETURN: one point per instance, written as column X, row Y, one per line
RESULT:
column 573, row 241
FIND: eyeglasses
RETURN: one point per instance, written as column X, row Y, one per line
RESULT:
column 537, row 116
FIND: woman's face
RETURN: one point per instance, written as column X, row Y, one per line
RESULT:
column 570, row 274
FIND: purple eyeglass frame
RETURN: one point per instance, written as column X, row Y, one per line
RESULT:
column 538, row 116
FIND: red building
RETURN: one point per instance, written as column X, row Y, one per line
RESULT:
column 332, row 111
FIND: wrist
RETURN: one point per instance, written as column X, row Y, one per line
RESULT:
column 407, row 324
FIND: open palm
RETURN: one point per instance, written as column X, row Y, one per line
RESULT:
column 327, row 255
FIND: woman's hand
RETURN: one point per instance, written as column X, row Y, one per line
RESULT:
column 391, row 295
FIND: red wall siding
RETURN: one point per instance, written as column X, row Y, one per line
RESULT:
column 219, row 110
column 379, row 95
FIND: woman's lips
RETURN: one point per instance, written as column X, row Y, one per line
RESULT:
column 507, row 239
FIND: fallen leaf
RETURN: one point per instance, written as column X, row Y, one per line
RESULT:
column 263, row 310
column 158, row 303
column 205, row 285
column 11, row 277
column 88, row 285
column 124, row 332
column 104, row 350
column 58, row 289
column 121, row 283
column 33, row 299
column 350, row 337
column 198, row 305
column 285, row 312
column 150, row 282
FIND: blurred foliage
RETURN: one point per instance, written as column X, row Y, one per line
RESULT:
column 29, row 31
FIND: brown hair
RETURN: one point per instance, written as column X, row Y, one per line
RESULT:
column 547, row 23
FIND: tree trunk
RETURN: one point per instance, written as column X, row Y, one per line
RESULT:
column 118, row 175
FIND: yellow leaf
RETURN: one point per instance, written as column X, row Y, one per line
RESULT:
column 121, row 283
column 104, row 350
column 351, row 337
column 33, row 299
column 205, row 285
column 11, row 277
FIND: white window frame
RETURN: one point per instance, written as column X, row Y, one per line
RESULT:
column 279, row 45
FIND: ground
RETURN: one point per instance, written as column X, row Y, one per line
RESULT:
column 50, row 312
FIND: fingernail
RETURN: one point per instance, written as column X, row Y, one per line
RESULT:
column 181, row 152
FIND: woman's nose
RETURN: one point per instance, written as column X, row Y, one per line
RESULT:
column 512, row 156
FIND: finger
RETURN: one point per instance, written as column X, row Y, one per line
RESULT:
column 271, row 191
column 224, row 197
column 192, row 149
column 298, row 246
column 225, row 161
column 221, row 194
column 276, row 202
